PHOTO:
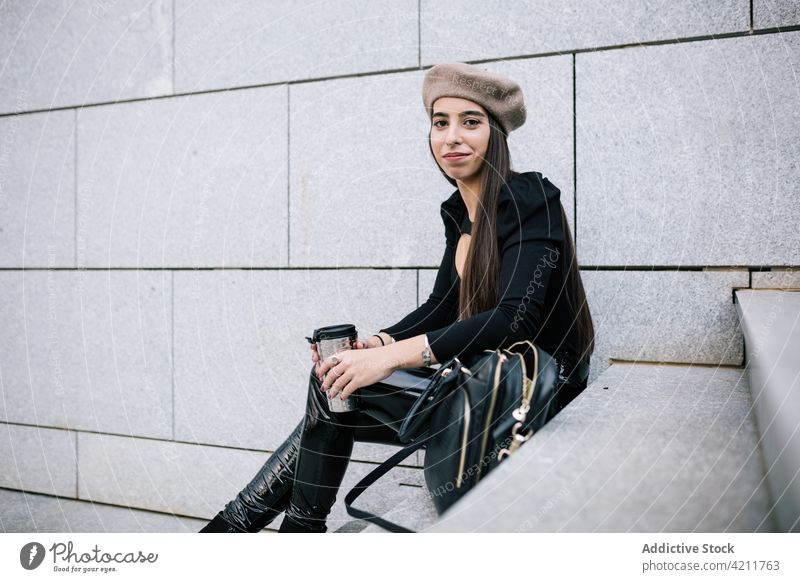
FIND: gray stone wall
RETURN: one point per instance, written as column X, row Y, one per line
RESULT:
column 187, row 189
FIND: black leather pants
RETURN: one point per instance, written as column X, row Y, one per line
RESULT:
column 302, row 477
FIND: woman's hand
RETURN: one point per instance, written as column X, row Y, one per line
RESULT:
column 370, row 342
column 361, row 344
column 355, row 369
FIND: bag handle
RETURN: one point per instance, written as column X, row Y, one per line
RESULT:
column 422, row 408
column 414, row 425
column 373, row 476
column 529, row 342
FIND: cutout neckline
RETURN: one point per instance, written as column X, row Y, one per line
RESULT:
column 466, row 228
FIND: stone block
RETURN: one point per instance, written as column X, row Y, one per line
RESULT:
column 37, row 190
column 37, row 459
column 224, row 44
column 84, row 52
column 196, row 181
column 88, row 350
column 524, row 28
column 682, row 156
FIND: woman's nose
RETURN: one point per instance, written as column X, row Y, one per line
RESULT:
column 453, row 137
column 453, row 134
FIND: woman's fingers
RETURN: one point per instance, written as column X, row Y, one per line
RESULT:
column 334, row 390
column 347, row 390
column 333, row 378
column 316, row 360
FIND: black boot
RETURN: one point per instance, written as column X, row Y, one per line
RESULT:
column 267, row 494
column 325, row 448
column 219, row 525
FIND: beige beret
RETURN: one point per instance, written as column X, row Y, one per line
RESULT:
column 498, row 94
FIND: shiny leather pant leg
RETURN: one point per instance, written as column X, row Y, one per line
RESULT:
column 325, row 447
column 327, row 443
column 265, row 496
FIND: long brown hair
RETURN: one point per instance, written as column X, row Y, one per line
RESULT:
column 480, row 283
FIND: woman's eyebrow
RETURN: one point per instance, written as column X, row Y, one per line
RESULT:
column 462, row 114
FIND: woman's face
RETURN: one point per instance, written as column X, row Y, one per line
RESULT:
column 459, row 126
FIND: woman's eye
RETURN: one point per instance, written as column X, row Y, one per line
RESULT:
column 474, row 122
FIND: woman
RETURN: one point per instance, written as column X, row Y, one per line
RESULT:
column 508, row 273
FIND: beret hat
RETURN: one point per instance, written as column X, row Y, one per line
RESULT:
column 498, row 94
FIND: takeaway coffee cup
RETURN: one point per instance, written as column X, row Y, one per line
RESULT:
column 331, row 340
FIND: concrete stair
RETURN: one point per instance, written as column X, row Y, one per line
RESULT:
column 664, row 448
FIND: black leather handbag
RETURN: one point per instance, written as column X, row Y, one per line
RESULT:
column 469, row 419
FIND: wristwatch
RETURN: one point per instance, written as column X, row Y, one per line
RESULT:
column 426, row 352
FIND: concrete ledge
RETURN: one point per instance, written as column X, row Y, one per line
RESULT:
column 770, row 322
column 644, row 448
column 31, row 512
column 684, row 317
column 416, row 512
column 787, row 279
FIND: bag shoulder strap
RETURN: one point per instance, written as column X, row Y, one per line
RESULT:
column 376, row 474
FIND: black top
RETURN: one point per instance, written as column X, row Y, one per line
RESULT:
column 466, row 225
column 532, row 305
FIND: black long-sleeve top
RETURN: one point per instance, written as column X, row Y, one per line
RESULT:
column 532, row 302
